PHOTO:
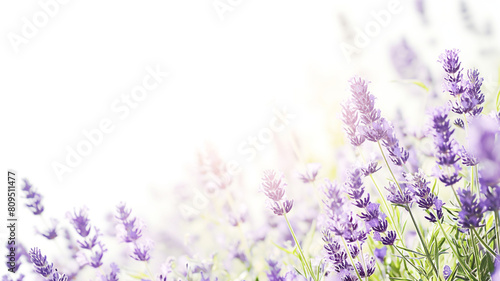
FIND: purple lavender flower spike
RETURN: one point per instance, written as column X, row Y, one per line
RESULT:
column 446, row 150
column 485, row 145
column 396, row 197
column 311, row 172
column 350, row 118
column 491, row 200
column 370, row 266
column 274, row 271
column 471, row 100
column 113, row 275
column 472, row 211
column 424, row 197
column 33, row 197
column 142, row 251
column 371, row 168
column 452, row 66
column 130, row 230
column 467, row 158
column 446, row 272
column 273, row 185
column 56, row 276
column 80, row 222
column 40, row 263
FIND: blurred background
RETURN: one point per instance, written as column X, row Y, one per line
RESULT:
column 235, row 68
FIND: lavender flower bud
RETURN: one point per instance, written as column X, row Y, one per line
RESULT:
column 40, row 263
column 472, row 211
column 33, row 197
column 312, row 170
column 273, row 185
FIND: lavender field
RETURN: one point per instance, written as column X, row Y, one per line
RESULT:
column 242, row 140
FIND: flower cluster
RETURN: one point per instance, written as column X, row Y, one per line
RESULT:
column 472, row 209
column 273, row 185
column 424, row 197
column 33, row 197
column 363, row 121
column 43, row 267
column 467, row 93
column 446, row 147
column 130, row 231
column 90, row 243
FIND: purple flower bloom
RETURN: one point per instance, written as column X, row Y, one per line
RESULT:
column 396, row 197
column 80, row 222
column 40, row 263
column 467, row 158
column 472, row 98
column 273, row 185
column 141, row 251
column 425, row 198
column 380, row 253
column 113, row 275
column 491, row 200
column 33, row 197
column 446, row 147
column 274, row 271
column 311, row 172
column 350, row 118
column 370, row 266
column 451, row 64
column 56, row 276
column 446, row 272
column 371, row 168
column 472, row 211
column 129, row 229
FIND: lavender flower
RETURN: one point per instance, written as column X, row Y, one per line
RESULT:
column 40, row 263
column 401, row 195
column 472, row 211
column 446, row 272
column 491, row 200
column 371, row 168
column 130, row 231
column 451, row 64
column 56, row 276
column 350, row 118
column 311, row 172
column 470, row 101
column 95, row 248
column 274, row 271
column 467, row 158
column 113, row 275
column 484, row 145
column 273, row 185
column 370, row 124
column 425, row 198
column 33, row 197
column 446, row 147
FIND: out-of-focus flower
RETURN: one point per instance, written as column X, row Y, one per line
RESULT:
column 380, row 253
column 273, row 185
column 33, row 197
column 371, row 168
column 484, row 145
column 112, row 276
column 274, row 271
column 311, row 172
column 400, row 194
column 80, row 222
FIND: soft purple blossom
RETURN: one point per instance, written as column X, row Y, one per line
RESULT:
column 274, row 271
column 129, row 228
column 446, row 150
column 400, row 194
column 424, row 197
column 33, row 197
column 39, row 261
column 470, row 101
column 311, row 172
column 273, row 185
column 371, row 168
column 81, row 222
column 472, row 210
column 485, row 145
column 452, row 66
column 446, row 272
column 380, row 253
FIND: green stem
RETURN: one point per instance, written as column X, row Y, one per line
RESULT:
column 424, row 244
column 352, row 260
column 466, row 268
column 497, row 229
column 485, row 245
column 309, row 269
column 478, row 263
